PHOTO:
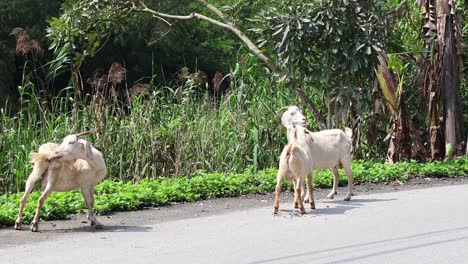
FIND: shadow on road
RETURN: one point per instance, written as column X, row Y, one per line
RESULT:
column 418, row 241
column 341, row 207
column 107, row 228
column 335, row 207
column 10, row 237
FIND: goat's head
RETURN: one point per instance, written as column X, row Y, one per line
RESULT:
column 292, row 116
column 72, row 147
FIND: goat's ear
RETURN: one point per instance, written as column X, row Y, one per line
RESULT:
column 88, row 148
column 89, row 151
column 279, row 115
column 286, row 121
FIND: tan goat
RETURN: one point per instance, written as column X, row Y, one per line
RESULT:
column 73, row 164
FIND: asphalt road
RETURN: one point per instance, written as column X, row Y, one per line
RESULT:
column 415, row 226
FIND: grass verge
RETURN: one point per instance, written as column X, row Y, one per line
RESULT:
column 114, row 195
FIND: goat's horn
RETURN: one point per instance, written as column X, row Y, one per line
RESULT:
column 282, row 110
column 84, row 133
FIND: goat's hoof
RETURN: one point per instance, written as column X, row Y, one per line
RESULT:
column 331, row 196
column 312, row 206
column 18, row 225
column 347, row 198
column 303, row 211
column 96, row 224
column 275, row 211
column 296, row 205
column 34, row 226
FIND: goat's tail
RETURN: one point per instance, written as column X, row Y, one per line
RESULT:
column 38, row 157
column 295, row 149
column 40, row 166
column 297, row 162
column 294, row 153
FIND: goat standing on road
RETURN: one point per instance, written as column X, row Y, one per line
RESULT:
column 319, row 150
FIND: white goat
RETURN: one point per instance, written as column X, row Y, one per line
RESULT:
column 295, row 163
column 331, row 148
column 73, row 164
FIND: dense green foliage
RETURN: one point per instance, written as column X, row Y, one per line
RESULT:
column 343, row 35
column 114, row 195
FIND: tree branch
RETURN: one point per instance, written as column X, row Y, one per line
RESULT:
column 282, row 76
column 270, row 64
column 214, row 10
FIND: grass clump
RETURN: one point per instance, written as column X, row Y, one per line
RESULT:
column 169, row 132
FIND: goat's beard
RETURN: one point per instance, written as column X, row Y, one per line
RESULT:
column 302, row 124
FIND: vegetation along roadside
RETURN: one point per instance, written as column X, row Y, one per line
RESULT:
column 113, row 195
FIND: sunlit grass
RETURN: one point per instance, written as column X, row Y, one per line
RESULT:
column 172, row 132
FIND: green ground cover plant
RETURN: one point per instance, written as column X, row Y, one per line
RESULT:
column 115, row 195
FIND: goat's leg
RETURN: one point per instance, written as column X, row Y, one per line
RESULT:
column 298, row 190
column 349, row 173
column 88, row 195
column 296, row 202
column 29, row 186
column 40, row 203
column 310, row 190
column 336, row 180
column 35, row 175
column 305, row 196
column 279, row 180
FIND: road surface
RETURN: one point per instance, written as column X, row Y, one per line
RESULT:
column 414, row 226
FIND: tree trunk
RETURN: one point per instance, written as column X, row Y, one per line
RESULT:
column 315, row 112
column 449, row 82
column 436, row 135
column 404, row 132
column 466, row 152
column 442, row 78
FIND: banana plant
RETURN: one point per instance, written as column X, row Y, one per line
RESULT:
column 442, row 67
column 404, row 138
